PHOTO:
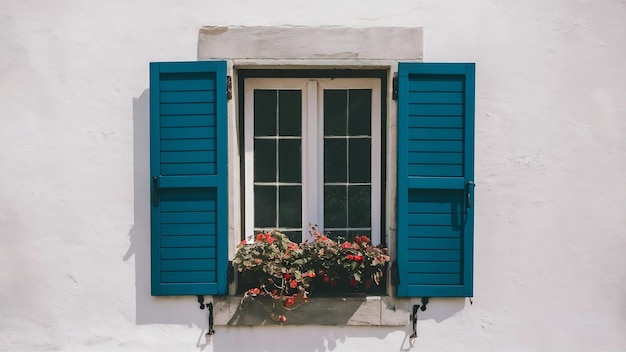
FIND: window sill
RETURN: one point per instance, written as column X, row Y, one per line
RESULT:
column 354, row 311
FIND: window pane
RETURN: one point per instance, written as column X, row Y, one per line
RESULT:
column 264, row 112
column 354, row 233
column 265, row 206
column 335, row 209
column 335, row 160
column 359, row 200
column 359, row 120
column 335, row 112
column 290, row 164
column 360, row 160
column 290, row 205
column 289, row 112
column 294, row 236
column 338, row 234
column 265, row 160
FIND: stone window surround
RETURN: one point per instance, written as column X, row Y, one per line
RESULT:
column 314, row 48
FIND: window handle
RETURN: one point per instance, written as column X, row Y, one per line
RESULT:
column 155, row 191
column 468, row 192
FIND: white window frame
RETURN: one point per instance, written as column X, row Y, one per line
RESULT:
column 312, row 139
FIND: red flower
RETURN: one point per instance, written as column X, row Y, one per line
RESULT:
column 290, row 301
column 287, row 276
column 243, row 242
column 353, row 282
column 270, row 239
column 259, row 237
column 358, row 258
column 350, row 257
column 282, row 318
column 293, row 284
column 346, row 245
column 312, row 274
column 326, row 279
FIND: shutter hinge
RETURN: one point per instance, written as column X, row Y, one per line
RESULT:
column 230, row 274
column 395, row 274
column 229, row 87
column 394, row 88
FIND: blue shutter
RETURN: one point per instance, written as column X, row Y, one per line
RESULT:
column 435, row 179
column 188, row 177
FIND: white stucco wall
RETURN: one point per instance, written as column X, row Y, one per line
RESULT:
column 550, row 267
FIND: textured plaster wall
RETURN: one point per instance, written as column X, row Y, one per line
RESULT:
column 550, row 267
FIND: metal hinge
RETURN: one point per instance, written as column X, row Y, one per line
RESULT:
column 395, row 274
column 229, row 87
column 394, row 88
column 230, row 273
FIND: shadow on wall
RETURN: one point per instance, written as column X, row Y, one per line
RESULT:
column 185, row 310
column 149, row 309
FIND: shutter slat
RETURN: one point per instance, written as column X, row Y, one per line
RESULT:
column 188, row 121
column 188, row 276
column 188, row 264
column 187, row 132
column 205, row 96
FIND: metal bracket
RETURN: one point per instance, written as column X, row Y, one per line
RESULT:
column 414, row 321
column 201, row 301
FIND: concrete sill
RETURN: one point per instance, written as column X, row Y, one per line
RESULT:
column 363, row 311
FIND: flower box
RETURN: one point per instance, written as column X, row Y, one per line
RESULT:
column 287, row 273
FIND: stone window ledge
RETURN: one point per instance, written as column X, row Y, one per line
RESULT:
column 355, row 311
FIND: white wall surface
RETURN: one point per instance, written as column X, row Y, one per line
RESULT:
column 550, row 248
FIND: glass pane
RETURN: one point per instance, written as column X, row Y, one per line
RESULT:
column 335, row 112
column 265, row 206
column 360, row 160
column 359, row 120
column 338, row 234
column 335, row 209
column 289, row 112
column 354, row 233
column 294, row 236
column 359, row 200
column 264, row 112
column 289, row 158
column 264, row 160
column 335, row 160
column 290, row 206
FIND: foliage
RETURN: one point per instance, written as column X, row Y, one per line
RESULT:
column 287, row 269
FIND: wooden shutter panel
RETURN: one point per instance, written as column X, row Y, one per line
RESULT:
column 189, row 178
column 435, row 179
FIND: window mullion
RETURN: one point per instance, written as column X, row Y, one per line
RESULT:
column 310, row 169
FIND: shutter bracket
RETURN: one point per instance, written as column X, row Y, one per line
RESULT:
column 417, row 307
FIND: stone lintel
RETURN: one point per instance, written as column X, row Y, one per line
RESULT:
column 310, row 43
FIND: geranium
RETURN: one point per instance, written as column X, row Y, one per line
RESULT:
column 286, row 269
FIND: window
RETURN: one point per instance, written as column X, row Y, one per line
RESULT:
column 304, row 152
column 313, row 156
